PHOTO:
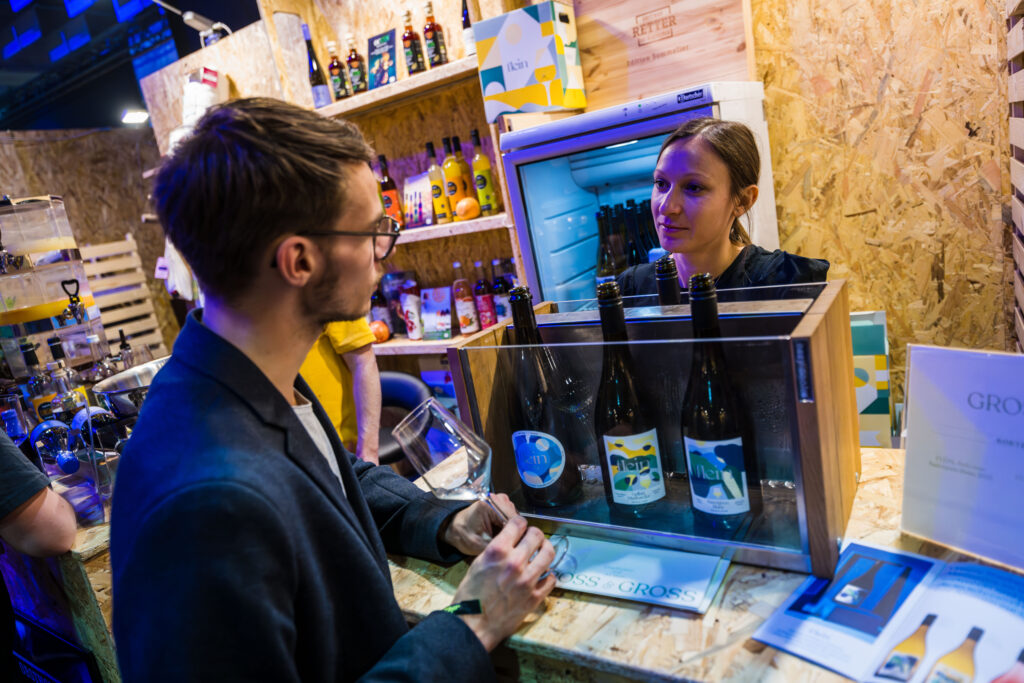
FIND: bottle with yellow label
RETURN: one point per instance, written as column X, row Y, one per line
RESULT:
column 956, row 666
column 454, row 183
column 442, row 211
column 902, row 662
column 464, row 168
column 483, row 179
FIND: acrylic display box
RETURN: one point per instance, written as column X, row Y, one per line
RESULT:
column 789, row 354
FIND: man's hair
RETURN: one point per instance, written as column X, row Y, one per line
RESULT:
column 252, row 171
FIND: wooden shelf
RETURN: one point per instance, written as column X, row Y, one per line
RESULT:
column 405, row 347
column 413, row 86
column 433, row 232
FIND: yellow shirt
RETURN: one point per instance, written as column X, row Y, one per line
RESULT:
column 331, row 380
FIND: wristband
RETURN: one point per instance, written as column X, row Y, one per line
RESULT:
column 464, row 607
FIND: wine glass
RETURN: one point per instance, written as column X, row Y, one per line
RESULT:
column 455, row 464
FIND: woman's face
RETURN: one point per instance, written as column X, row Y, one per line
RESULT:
column 692, row 198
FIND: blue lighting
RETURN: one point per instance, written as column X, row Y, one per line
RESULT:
column 126, row 9
column 18, row 4
column 160, row 56
column 69, row 38
column 76, row 7
column 24, row 32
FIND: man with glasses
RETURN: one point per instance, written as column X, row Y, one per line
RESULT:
column 246, row 543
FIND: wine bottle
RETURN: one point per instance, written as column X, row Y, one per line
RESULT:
column 389, row 192
column 465, row 306
column 356, row 66
column 317, row 80
column 859, row 588
column 433, row 35
column 1015, row 674
column 483, row 298
column 634, row 475
column 442, row 211
column 717, row 438
column 605, row 254
column 635, row 253
column 467, row 31
column 667, row 276
column 414, row 61
column 500, row 290
column 956, row 666
column 483, row 179
column 888, row 603
column 453, row 181
column 339, row 84
column 545, row 459
column 902, row 661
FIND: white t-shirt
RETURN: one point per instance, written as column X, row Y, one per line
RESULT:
column 304, row 411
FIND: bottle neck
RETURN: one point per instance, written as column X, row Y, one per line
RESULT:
column 704, row 313
column 525, row 323
column 613, row 322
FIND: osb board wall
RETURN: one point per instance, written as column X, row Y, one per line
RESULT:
column 632, row 50
column 246, row 58
column 887, row 123
column 99, row 175
column 431, row 260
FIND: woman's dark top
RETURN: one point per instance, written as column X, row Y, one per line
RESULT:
column 753, row 267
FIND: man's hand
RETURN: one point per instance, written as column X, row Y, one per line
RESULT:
column 505, row 578
column 472, row 528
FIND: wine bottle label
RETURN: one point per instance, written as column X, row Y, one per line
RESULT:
column 321, row 96
column 943, row 673
column 851, row 595
column 718, row 479
column 435, row 48
column 485, row 307
column 635, row 466
column 466, row 310
column 338, row 85
column 898, row 666
column 540, row 458
column 469, row 41
column 501, row 306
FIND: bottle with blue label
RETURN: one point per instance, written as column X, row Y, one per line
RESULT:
column 631, row 462
column 547, row 449
column 721, row 459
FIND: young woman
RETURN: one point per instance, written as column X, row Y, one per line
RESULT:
column 706, row 178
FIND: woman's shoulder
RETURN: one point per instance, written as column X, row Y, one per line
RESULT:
column 637, row 280
column 756, row 267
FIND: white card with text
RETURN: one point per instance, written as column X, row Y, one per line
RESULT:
column 964, row 480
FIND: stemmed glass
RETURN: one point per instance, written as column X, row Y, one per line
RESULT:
column 455, row 463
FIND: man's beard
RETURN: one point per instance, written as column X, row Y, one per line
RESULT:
column 321, row 301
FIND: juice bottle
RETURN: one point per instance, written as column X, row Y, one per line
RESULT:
column 484, row 298
column 483, row 179
column 442, row 211
column 454, row 183
column 465, row 306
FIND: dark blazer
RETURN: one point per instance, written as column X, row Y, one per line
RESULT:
column 237, row 556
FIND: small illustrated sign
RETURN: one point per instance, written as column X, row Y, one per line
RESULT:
column 964, row 481
column 382, row 59
column 670, row 578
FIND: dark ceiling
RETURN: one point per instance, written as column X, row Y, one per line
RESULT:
column 76, row 63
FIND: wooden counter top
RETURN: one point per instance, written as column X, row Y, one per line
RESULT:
column 579, row 634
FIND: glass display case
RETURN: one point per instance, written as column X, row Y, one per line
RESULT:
column 787, row 352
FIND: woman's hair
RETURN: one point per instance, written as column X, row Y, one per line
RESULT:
column 734, row 143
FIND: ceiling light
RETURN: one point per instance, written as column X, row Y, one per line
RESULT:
column 134, row 116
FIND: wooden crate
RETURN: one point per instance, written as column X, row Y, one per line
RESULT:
column 820, row 422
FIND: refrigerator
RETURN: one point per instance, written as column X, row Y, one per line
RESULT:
column 560, row 173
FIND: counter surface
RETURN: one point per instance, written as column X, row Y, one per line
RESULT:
column 580, row 635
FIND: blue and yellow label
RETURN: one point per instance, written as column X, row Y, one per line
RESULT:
column 540, row 458
column 635, row 466
column 718, row 478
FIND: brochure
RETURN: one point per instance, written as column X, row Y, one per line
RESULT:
column 670, row 578
column 382, row 59
column 891, row 616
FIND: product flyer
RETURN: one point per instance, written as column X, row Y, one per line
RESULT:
column 382, row 59
column 889, row 616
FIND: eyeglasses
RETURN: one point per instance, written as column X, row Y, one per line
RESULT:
column 385, row 234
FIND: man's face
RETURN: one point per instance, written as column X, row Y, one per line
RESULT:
column 342, row 289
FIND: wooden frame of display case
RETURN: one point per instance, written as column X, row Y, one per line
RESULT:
column 823, row 413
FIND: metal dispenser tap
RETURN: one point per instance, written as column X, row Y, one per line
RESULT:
column 74, row 310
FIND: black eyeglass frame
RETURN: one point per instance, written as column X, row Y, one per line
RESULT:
column 396, row 230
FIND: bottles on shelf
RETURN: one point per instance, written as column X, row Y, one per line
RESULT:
column 484, row 298
column 339, row 83
column 500, row 289
column 606, row 266
column 717, row 437
column 455, row 184
column 389, row 192
column 357, row 74
column 666, row 275
column 467, row 31
column 465, row 305
column 628, row 238
column 546, row 460
column 433, row 36
column 630, row 460
column 902, row 662
column 414, row 60
column 317, row 78
column 438, row 196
